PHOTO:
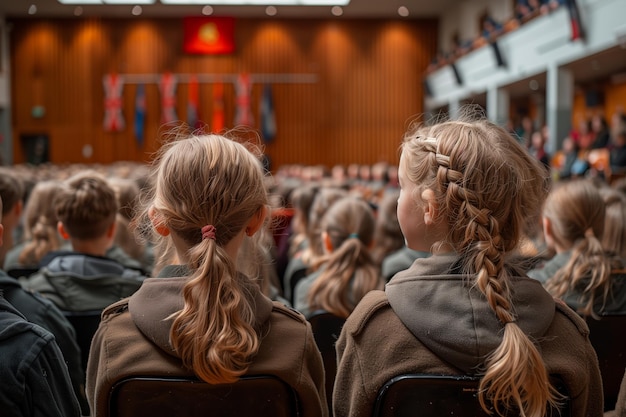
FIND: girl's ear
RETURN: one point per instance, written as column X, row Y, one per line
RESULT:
column 431, row 207
column 62, row 231
column 157, row 222
column 256, row 221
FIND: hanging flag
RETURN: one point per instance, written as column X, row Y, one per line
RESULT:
column 140, row 113
column 217, row 120
column 575, row 23
column 193, row 103
column 243, row 112
column 267, row 116
column 167, row 86
column 113, row 88
column 209, row 35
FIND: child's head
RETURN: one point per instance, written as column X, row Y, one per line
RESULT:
column 614, row 236
column 86, row 206
column 40, row 223
column 573, row 211
column 127, row 192
column 483, row 186
column 388, row 235
column 11, row 191
column 324, row 198
column 207, row 180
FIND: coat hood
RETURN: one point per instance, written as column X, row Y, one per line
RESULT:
column 448, row 314
column 153, row 304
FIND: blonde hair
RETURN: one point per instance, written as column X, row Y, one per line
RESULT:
column 487, row 185
column 349, row 272
column 40, row 223
column 199, row 181
column 576, row 212
column 324, row 198
column 388, row 237
column 86, row 205
column 614, row 236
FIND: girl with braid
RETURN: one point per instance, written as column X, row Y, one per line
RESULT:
column 202, row 317
column 467, row 190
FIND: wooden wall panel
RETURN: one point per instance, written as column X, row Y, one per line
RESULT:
column 368, row 86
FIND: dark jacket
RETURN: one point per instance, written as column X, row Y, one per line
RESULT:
column 35, row 381
column 44, row 313
column 434, row 321
column 133, row 339
column 80, row 282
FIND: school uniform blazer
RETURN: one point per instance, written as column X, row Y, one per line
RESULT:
column 133, row 340
column 429, row 320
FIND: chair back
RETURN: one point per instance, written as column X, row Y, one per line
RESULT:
column 326, row 328
column 21, row 272
column 606, row 338
column 439, row 395
column 259, row 396
column 85, row 324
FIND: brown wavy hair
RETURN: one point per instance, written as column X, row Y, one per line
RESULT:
column 210, row 180
column 349, row 271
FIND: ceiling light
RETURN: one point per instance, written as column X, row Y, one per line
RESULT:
column 137, row 10
column 78, row 11
column 336, row 11
column 403, row 11
column 258, row 2
column 32, row 9
column 271, row 11
column 207, row 10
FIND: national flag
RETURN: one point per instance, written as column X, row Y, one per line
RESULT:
column 140, row 113
column 267, row 116
column 217, row 119
column 209, row 35
column 243, row 112
column 574, row 17
column 167, row 86
column 193, row 103
column 113, row 89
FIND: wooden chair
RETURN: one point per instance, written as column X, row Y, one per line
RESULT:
column 85, row 324
column 326, row 329
column 606, row 338
column 438, row 395
column 262, row 396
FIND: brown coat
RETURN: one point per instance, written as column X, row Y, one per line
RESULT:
column 375, row 345
column 120, row 349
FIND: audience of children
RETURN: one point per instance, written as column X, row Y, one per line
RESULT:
column 345, row 240
column 210, row 320
column 467, row 309
column 347, row 271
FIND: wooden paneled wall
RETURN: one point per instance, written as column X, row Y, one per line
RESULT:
column 368, row 84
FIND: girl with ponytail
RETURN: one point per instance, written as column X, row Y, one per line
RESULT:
column 347, row 271
column 468, row 190
column 585, row 273
column 202, row 316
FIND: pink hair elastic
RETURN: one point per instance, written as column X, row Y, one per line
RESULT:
column 208, row 232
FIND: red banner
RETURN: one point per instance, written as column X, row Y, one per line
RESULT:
column 209, row 35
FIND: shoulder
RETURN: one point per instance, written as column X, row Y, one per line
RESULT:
column 571, row 316
column 374, row 304
column 115, row 309
column 286, row 312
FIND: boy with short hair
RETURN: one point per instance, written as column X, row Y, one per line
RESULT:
column 85, row 279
